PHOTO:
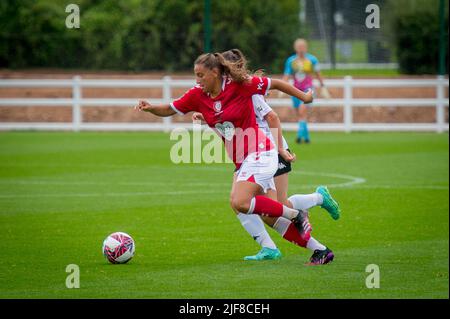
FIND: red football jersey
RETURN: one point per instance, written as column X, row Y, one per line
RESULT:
column 231, row 115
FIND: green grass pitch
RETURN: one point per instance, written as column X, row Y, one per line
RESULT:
column 61, row 194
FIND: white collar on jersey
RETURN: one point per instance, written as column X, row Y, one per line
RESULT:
column 224, row 81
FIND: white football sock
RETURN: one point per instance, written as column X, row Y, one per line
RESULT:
column 281, row 225
column 255, row 227
column 289, row 213
column 313, row 245
column 305, row 202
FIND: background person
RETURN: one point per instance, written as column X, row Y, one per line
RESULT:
column 302, row 67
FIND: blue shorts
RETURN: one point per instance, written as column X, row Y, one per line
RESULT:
column 296, row 102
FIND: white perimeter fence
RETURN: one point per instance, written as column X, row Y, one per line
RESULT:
column 167, row 84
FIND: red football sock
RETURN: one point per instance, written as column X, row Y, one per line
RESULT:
column 265, row 206
column 292, row 234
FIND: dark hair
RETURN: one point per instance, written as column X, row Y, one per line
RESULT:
column 237, row 71
column 235, row 56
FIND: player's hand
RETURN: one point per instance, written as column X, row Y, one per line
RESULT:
column 309, row 96
column 287, row 156
column 143, row 106
column 196, row 116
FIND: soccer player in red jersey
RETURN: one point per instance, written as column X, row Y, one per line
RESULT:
column 223, row 95
column 268, row 121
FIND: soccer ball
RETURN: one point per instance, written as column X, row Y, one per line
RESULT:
column 118, row 248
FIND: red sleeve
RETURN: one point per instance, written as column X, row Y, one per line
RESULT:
column 257, row 85
column 186, row 103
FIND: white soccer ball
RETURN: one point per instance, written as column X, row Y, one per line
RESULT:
column 118, row 248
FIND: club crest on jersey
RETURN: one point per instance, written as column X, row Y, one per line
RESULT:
column 217, row 106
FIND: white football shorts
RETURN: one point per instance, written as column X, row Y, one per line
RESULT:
column 259, row 168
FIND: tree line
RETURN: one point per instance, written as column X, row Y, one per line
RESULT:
column 167, row 35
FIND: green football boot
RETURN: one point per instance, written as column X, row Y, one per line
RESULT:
column 265, row 254
column 329, row 204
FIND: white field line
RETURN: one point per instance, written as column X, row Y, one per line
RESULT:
column 105, row 194
column 174, row 193
column 80, row 183
column 435, row 187
column 352, row 182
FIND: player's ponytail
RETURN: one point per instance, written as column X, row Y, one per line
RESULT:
column 236, row 56
column 237, row 70
column 234, row 70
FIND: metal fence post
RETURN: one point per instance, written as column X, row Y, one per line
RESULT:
column 440, row 110
column 76, row 107
column 167, row 97
column 348, row 96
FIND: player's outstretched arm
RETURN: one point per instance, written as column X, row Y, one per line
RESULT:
column 158, row 110
column 275, row 126
column 289, row 89
column 285, row 78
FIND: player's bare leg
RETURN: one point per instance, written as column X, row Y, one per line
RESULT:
column 281, row 183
